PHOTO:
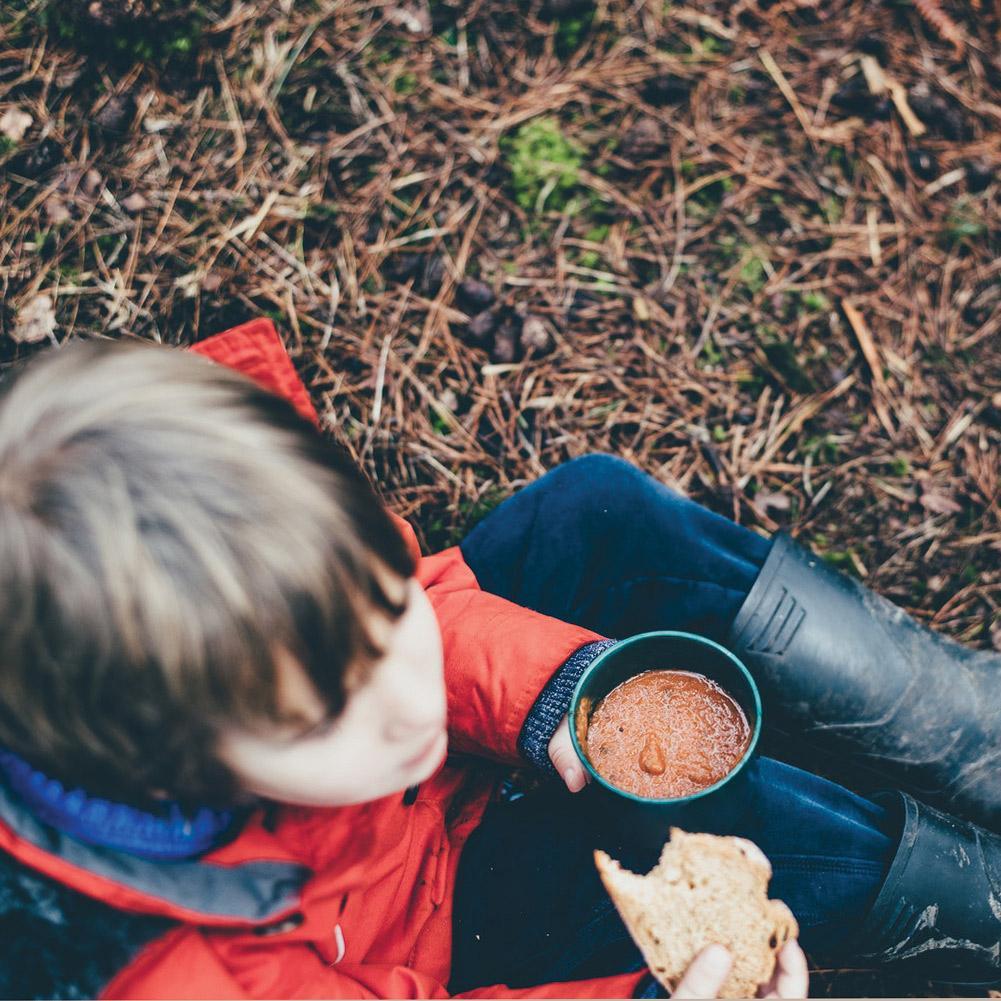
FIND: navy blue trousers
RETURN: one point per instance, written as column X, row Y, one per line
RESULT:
column 599, row 543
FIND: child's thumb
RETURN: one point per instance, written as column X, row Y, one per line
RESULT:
column 706, row 975
column 564, row 758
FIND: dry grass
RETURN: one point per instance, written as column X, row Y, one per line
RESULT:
column 760, row 283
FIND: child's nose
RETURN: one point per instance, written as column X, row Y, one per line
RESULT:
column 411, row 729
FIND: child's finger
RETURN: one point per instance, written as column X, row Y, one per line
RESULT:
column 793, row 975
column 706, row 975
column 564, row 758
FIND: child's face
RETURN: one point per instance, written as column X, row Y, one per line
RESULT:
column 391, row 734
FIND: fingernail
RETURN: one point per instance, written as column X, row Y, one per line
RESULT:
column 574, row 779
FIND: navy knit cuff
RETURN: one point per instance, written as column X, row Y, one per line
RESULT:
column 552, row 705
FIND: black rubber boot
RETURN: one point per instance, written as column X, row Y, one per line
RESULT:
column 939, row 910
column 844, row 670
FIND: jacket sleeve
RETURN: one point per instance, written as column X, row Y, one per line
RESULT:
column 498, row 656
column 185, row 966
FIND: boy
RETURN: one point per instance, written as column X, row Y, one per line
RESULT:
column 219, row 675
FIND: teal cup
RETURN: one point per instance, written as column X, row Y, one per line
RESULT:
column 645, row 821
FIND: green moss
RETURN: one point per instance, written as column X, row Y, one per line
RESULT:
column 753, row 275
column 172, row 33
column 706, row 201
column 841, row 561
column 107, row 242
column 964, row 222
column 405, row 83
column 440, row 425
column 900, row 467
column 785, row 363
column 572, row 31
column 815, row 302
column 606, row 409
column 708, row 47
column 824, row 448
column 322, row 211
column 543, row 163
column 474, row 511
column 711, row 354
column 44, row 242
column 833, row 210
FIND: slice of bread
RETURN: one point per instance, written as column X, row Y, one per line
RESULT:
column 705, row 889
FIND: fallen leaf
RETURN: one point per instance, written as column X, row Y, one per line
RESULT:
column 92, row 183
column 14, row 123
column 67, row 78
column 475, row 294
column 56, row 211
column 535, row 334
column 154, row 125
column 482, row 326
column 939, row 502
column 775, row 501
column 36, row 321
column 505, row 347
column 117, row 113
column 134, row 203
column 416, row 20
column 645, row 139
column 67, row 179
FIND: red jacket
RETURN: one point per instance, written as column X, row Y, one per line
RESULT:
column 333, row 902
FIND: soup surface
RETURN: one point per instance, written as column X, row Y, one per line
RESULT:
column 665, row 734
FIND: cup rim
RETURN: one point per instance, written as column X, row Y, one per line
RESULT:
column 665, row 634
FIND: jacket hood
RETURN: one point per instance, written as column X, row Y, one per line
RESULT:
column 252, row 891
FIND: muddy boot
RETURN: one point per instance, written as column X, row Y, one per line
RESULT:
column 844, row 670
column 939, row 910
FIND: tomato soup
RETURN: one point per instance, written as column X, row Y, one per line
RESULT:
column 664, row 734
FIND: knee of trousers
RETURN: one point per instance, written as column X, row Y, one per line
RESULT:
column 603, row 484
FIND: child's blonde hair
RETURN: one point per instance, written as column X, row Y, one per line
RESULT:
column 166, row 528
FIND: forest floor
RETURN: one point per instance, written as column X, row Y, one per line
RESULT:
column 751, row 246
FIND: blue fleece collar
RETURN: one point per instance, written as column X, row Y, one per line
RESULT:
column 166, row 835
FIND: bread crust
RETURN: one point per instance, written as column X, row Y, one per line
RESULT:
column 705, row 889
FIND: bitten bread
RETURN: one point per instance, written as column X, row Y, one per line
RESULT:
column 705, row 889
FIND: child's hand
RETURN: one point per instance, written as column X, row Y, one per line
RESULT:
column 707, row 973
column 791, row 978
column 565, row 760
